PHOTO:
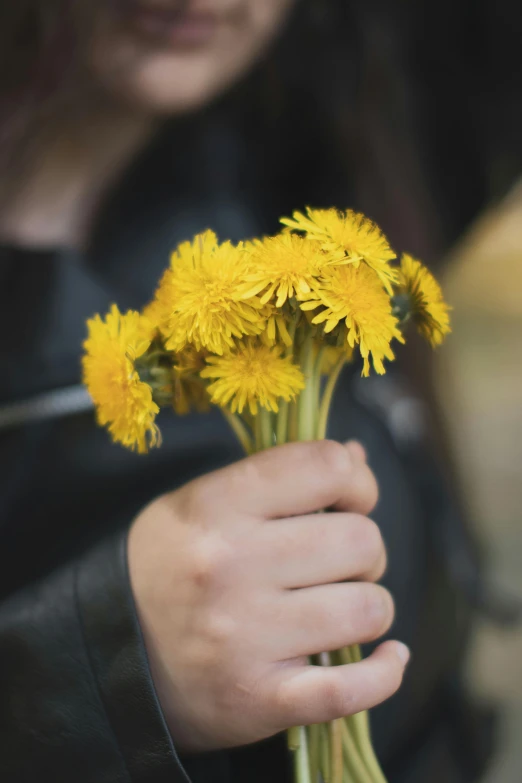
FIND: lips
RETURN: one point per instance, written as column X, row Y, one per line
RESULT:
column 179, row 23
column 169, row 12
column 175, row 8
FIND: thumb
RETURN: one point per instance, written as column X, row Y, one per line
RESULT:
column 316, row 694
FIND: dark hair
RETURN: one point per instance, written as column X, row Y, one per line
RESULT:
column 36, row 48
column 403, row 92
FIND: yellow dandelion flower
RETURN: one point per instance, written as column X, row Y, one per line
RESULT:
column 354, row 297
column 276, row 327
column 123, row 402
column 152, row 312
column 200, row 301
column 283, row 265
column 429, row 311
column 255, row 374
column 348, row 237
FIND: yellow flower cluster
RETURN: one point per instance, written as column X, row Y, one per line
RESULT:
column 232, row 324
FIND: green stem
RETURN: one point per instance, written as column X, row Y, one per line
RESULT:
column 313, row 750
column 324, row 753
column 324, row 409
column 360, row 723
column 306, row 410
column 336, row 750
column 360, row 765
column 361, row 733
column 352, row 757
column 266, row 430
column 159, row 353
column 258, row 435
column 293, row 430
column 318, row 378
column 293, row 738
column 302, row 768
column 240, row 430
column 291, row 331
column 334, row 736
column 350, row 654
column 282, row 423
column 286, row 419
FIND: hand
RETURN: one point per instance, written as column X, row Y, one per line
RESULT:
column 236, row 582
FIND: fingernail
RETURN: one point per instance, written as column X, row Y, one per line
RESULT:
column 356, row 450
column 403, row 652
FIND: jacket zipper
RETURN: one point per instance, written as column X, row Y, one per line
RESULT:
column 55, row 404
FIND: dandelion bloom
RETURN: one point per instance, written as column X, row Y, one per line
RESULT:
column 152, row 312
column 255, row 374
column 348, row 237
column 276, row 329
column 283, row 265
column 354, row 296
column 429, row 311
column 123, row 402
column 199, row 300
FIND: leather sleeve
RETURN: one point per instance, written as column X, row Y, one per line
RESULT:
column 77, row 702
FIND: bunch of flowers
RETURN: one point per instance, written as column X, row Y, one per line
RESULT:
column 263, row 329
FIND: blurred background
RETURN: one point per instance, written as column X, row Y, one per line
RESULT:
column 479, row 384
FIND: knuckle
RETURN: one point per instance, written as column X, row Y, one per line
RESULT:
column 280, row 703
column 367, row 538
column 220, row 631
column 375, row 610
column 370, row 488
column 248, row 472
column 379, row 568
column 388, row 680
column 337, row 701
column 211, row 561
column 214, row 652
column 395, row 678
column 364, row 490
column 162, row 509
column 197, row 500
column 331, row 456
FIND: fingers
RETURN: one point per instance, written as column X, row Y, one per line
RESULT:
column 360, row 492
column 322, row 548
column 332, row 616
column 313, row 694
column 296, row 478
column 357, row 450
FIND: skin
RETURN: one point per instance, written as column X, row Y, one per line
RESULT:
column 158, row 75
column 235, row 580
column 131, row 76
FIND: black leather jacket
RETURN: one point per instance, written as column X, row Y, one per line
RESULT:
column 77, row 701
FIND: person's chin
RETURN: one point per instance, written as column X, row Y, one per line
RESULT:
column 176, row 93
